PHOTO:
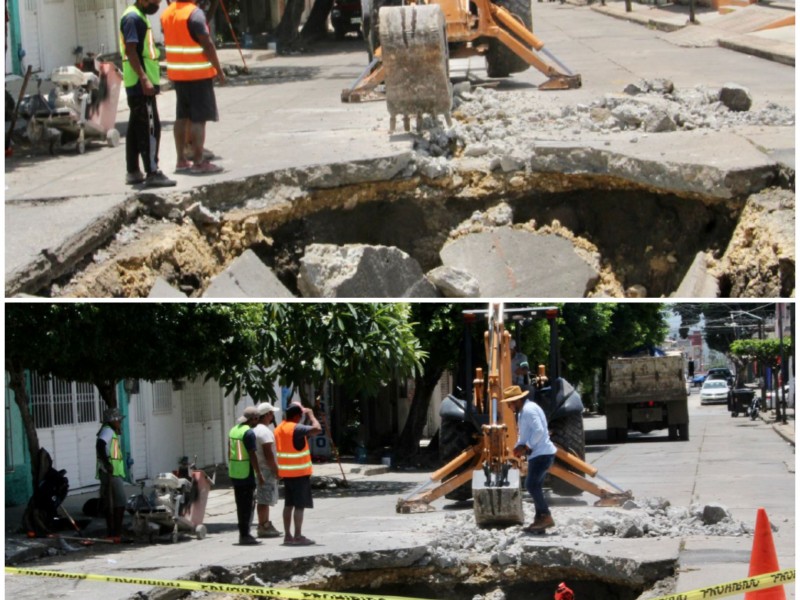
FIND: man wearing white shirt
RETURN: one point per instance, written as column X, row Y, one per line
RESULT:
column 534, row 443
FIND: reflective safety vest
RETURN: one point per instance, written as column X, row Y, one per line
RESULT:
column 239, row 459
column 186, row 60
column 149, row 58
column 291, row 462
column 114, row 456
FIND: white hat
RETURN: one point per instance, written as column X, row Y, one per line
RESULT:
column 266, row 407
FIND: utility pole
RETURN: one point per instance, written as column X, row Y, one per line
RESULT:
column 781, row 415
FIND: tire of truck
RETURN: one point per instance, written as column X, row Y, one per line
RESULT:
column 500, row 60
column 683, row 432
column 370, row 25
column 454, row 438
column 568, row 433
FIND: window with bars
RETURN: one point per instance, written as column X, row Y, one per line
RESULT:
column 162, row 398
column 57, row 403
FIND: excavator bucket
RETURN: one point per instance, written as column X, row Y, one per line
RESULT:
column 497, row 505
column 415, row 58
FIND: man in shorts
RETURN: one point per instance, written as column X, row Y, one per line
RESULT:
column 111, row 472
column 294, row 467
column 192, row 65
column 266, row 494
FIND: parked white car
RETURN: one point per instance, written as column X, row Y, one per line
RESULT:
column 714, row 391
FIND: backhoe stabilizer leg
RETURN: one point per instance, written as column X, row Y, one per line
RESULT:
column 557, row 80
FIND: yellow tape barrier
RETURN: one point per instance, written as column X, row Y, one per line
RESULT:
column 750, row 584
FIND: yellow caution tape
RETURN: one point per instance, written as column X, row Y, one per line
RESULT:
column 750, row 584
column 288, row 593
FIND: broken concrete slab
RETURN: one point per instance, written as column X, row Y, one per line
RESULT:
column 247, row 277
column 359, row 270
column 454, row 283
column 516, row 263
column 162, row 289
column 760, row 259
column 698, row 281
column 736, row 97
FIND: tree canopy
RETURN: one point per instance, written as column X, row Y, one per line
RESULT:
column 724, row 322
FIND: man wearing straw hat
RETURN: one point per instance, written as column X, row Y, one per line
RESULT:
column 534, row 443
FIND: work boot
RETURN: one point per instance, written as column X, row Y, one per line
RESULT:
column 158, row 179
column 541, row 522
column 269, row 531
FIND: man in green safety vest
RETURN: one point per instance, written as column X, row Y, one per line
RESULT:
column 111, row 472
column 141, row 75
column 243, row 470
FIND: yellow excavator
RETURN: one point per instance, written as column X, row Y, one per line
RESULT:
column 410, row 46
column 487, row 470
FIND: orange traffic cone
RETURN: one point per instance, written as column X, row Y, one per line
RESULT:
column 763, row 559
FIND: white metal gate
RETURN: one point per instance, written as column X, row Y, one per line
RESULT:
column 202, row 422
column 67, row 418
column 30, row 35
column 97, row 26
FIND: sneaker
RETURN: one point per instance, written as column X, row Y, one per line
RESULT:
column 248, row 540
column 183, row 166
column 134, row 178
column 269, row 531
column 158, row 179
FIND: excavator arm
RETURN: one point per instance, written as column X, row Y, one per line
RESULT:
column 495, row 473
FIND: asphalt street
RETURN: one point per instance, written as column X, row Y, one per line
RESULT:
column 739, row 463
column 288, row 115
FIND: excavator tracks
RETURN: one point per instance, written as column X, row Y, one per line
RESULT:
column 415, row 57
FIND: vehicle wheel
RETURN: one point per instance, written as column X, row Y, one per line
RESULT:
column 673, row 432
column 454, row 438
column 370, row 23
column 734, row 414
column 112, row 137
column 683, row 431
column 568, row 433
column 611, row 435
column 500, row 60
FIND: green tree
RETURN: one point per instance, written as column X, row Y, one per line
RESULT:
column 105, row 343
column 592, row 333
column 766, row 353
column 361, row 346
column 439, row 329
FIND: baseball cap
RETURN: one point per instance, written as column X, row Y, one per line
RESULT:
column 265, row 407
column 251, row 412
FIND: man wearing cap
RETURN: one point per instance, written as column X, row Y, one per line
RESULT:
column 294, row 467
column 534, row 443
column 111, row 472
column 243, row 470
column 266, row 494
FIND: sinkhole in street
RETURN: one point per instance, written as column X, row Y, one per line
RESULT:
column 429, row 573
column 630, row 234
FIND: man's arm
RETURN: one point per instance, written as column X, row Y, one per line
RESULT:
column 269, row 456
column 315, row 427
column 133, row 58
column 101, row 450
column 250, row 445
column 211, row 55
